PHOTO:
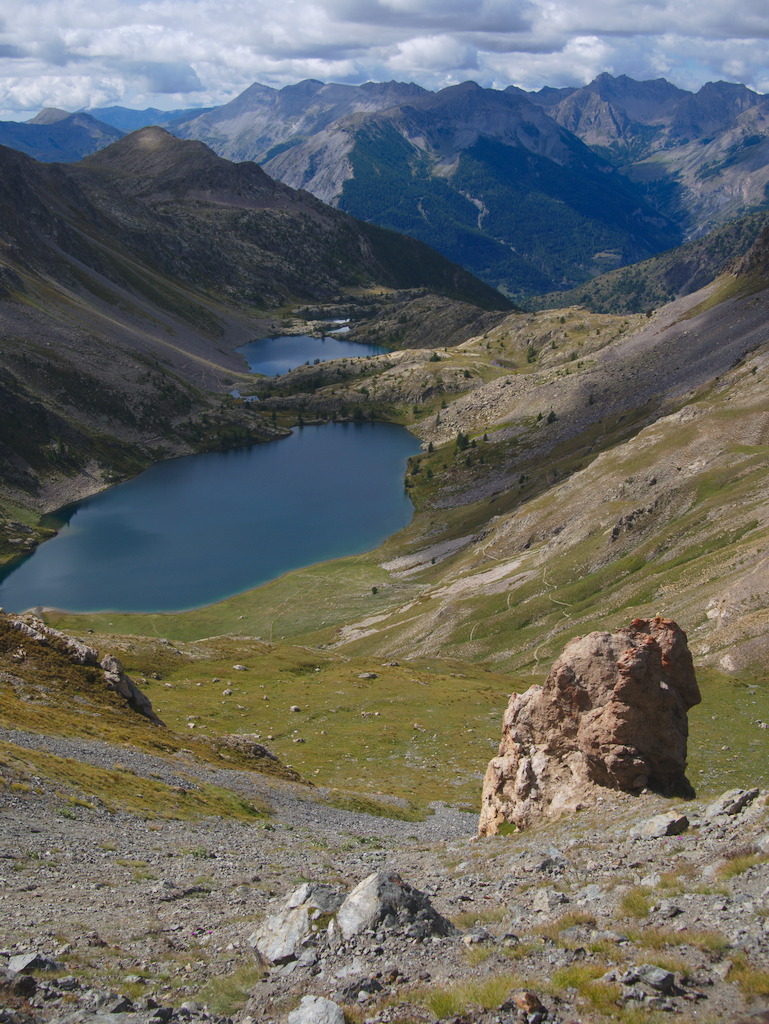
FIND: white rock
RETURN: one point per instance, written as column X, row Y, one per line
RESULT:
column 316, row 1010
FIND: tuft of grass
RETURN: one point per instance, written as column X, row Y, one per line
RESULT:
column 469, row 918
column 478, row 954
column 573, row 919
column 704, row 939
column 228, row 993
column 754, row 981
column 451, row 1000
column 635, row 903
column 584, row 978
column 739, row 864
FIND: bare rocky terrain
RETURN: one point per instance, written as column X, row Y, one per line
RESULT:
column 140, row 916
column 127, row 905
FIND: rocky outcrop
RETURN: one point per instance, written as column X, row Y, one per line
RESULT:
column 76, row 650
column 612, row 713
column 117, row 680
column 81, row 654
column 283, row 935
column 317, row 915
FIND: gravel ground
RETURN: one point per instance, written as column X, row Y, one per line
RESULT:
column 158, row 912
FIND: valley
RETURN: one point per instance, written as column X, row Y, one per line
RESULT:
column 578, row 469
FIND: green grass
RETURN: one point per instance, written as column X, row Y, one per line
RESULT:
column 738, row 864
column 635, row 903
column 364, row 736
column 752, row 980
column 584, row 978
column 463, row 997
column 228, row 993
column 147, row 798
column 378, row 808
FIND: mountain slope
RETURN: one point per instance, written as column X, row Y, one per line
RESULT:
column 55, row 135
column 261, row 120
column 702, row 157
column 577, row 469
column 679, row 272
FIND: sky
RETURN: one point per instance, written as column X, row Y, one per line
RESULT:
column 175, row 54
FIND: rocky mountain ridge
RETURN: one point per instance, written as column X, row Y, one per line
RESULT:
column 688, row 161
column 703, row 157
column 479, row 174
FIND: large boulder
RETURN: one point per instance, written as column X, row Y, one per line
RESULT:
column 385, row 900
column 612, row 713
column 316, row 1010
column 281, row 937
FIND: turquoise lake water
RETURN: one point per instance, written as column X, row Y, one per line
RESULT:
column 195, row 530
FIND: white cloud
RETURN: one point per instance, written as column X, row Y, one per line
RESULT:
column 73, row 53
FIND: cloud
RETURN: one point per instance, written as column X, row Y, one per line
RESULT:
column 165, row 76
column 186, row 52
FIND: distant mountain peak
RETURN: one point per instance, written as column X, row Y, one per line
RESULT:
column 50, row 115
column 152, row 151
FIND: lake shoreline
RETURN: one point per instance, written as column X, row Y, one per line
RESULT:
column 325, row 491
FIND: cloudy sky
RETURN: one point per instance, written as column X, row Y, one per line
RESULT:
column 180, row 53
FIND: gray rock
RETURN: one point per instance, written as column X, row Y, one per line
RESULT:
column 25, row 962
column 668, row 909
column 656, row 977
column 651, row 881
column 280, row 937
column 591, row 893
column 477, row 935
column 117, row 680
column 671, row 823
column 385, row 899
column 731, row 802
column 546, row 900
column 316, row 1010
column 325, row 898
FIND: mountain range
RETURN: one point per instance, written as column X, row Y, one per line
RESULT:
column 534, row 192
column 485, row 177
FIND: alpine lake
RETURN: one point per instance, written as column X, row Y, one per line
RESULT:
column 195, row 530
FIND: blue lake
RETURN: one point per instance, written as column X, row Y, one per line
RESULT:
column 274, row 356
column 196, row 530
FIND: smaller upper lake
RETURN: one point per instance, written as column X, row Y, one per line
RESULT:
column 274, row 356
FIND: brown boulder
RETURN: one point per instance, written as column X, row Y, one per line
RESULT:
column 611, row 713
